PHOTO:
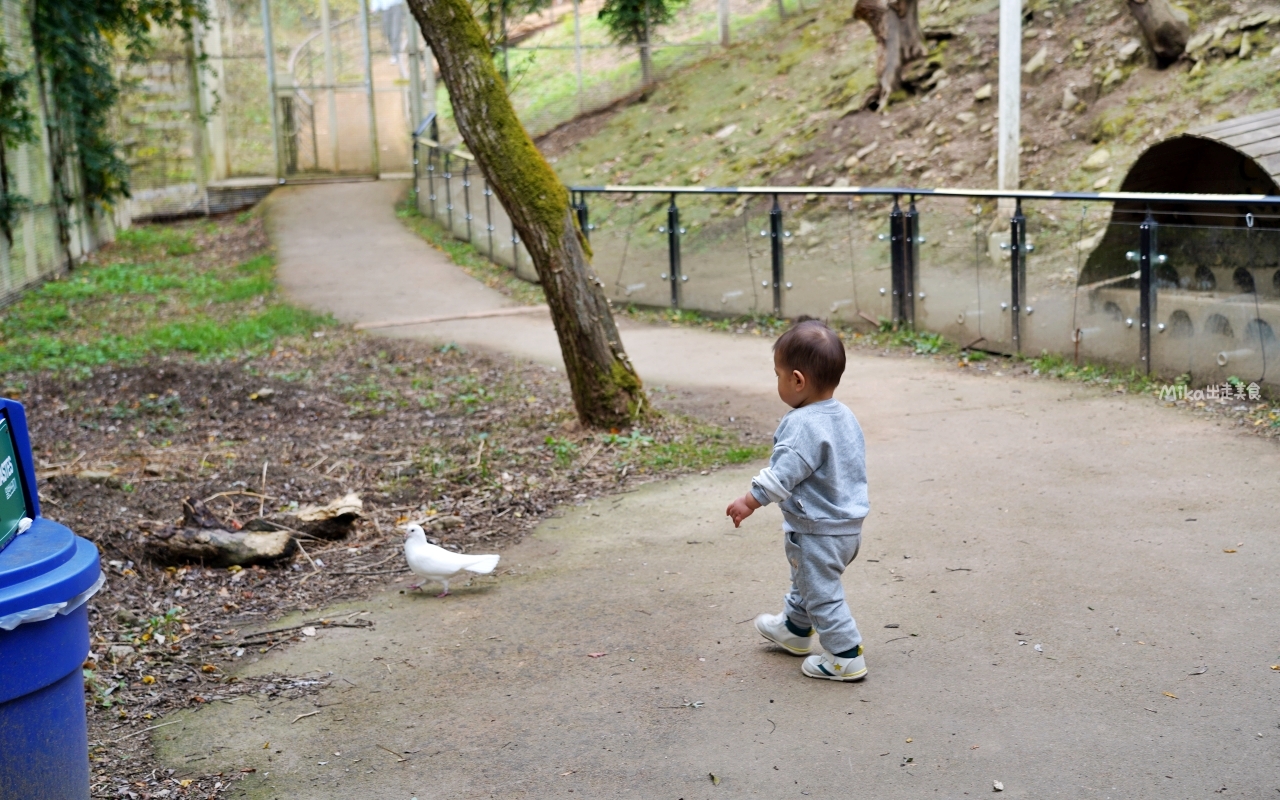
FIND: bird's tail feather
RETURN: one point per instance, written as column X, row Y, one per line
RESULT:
column 483, row 565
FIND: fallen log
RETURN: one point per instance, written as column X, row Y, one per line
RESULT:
column 214, row 547
column 330, row 521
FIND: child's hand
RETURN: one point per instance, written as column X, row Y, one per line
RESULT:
column 741, row 508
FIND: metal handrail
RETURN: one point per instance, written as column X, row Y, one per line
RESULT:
column 993, row 194
column 456, row 153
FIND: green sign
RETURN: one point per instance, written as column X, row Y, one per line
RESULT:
column 13, row 503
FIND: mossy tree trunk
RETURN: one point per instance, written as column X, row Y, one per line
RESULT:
column 606, row 390
column 1165, row 27
column 899, row 40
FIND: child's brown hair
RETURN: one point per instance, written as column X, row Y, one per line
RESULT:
column 813, row 350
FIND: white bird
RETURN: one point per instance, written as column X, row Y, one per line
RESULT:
column 433, row 563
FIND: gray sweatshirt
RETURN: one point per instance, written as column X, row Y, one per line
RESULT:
column 818, row 471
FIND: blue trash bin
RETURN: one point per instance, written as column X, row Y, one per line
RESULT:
column 47, row 575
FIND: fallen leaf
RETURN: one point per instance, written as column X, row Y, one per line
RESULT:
column 1228, row 549
column 1276, row 667
column 715, row 779
column 1168, row 694
column 909, row 740
column 596, row 655
column 975, row 747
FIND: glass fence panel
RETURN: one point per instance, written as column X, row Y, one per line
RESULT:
column 1218, row 304
column 992, row 279
column 836, row 259
column 758, row 245
column 1059, row 315
column 1105, row 304
column 629, row 246
column 718, row 265
column 951, row 249
column 1049, row 307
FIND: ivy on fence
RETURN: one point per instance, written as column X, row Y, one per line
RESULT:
column 76, row 46
column 17, row 127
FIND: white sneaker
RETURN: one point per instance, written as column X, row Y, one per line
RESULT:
column 774, row 628
column 828, row 667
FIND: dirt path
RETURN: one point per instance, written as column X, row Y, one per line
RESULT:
column 1090, row 525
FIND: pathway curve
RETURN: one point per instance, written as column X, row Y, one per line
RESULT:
column 1051, row 558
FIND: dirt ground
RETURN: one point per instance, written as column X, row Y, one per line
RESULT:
column 1081, row 582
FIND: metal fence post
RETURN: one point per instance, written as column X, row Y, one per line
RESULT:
column 431, row 180
column 372, row 100
column 584, row 220
column 775, row 242
column 673, row 251
column 1017, row 272
column 910, row 262
column 448, row 190
column 417, row 208
column 1146, row 288
column 270, row 46
column 898, row 262
column 488, row 218
column 466, row 195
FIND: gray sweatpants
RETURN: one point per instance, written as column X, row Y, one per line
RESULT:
column 816, row 599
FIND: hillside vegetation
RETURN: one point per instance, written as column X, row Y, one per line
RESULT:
column 787, row 108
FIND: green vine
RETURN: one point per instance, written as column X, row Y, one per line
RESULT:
column 17, row 127
column 77, row 45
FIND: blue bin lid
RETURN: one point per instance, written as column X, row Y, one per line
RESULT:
column 47, row 564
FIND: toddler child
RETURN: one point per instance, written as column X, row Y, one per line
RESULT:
column 818, row 477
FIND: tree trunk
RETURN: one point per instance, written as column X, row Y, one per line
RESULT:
column 896, row 26
column 606, row 390
column 1165, row 27
column 646, row 64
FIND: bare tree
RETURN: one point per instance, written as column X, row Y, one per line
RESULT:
column 606, row 390
column 1165, row 27
column 899, row 41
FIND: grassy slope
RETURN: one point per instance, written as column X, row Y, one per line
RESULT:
column 792, row 94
